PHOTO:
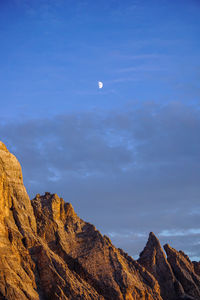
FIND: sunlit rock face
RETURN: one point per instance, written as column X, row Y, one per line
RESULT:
column 17, row 232
column 48, row 252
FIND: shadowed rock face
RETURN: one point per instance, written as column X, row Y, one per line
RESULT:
column 196, row 267
column 184, row 271
column 48, row 252
column 154, row 260
column 177, row 276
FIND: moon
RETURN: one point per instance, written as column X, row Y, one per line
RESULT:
column 100, row 84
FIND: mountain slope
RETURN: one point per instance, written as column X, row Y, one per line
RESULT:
column 48, row 252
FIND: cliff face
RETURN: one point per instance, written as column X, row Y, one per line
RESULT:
column 184, row 271
column 17, row 232
column 154, row 260
column 48, row 252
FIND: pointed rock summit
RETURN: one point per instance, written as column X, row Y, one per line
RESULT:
column 154, row 260
column 3, row 147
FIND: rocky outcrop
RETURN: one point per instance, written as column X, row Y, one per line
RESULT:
column 17, row 232
column 196, row 267
column 154, row 260
column 89, row 255
column 177, row 276
column 184, row 271
column 48, row 252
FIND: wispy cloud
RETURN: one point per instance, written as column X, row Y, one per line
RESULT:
column 139, row 57
column 143, row 68
column 140, row 166
column 174, row 232
column 123, row 79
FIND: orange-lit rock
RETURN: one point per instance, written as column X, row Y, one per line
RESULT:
column 48, row 252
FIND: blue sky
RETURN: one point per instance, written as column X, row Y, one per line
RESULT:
column 126, row 156
column 54, row 52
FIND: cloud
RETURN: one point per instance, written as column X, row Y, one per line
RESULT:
column 143, row 68
column 123, row 79
column 128, row 172
column 139, row 57
column 172, row 233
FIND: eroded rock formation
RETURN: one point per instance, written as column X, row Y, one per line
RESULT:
column 154, row 260
column 48, row 252
column 184, row 271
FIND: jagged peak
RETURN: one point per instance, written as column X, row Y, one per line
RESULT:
column 152, row 248
column 3, row 147
column 47, row 198
column 178, row 254
column 53, row 254
column 69, row 210
column 153, row 240
column 56, row 207
column 154, row 260
column 152, row 243
column 168, row 249
column 185, row 272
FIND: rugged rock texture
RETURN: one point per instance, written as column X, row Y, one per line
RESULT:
column 48, row 252
column 17, row 232
column 177, row 276
column 184, row 271
column 196, row 267
column 154, row 260
column 88, row 255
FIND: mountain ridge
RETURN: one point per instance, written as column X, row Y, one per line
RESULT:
column 48, row 252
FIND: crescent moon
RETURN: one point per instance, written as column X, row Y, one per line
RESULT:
column 100, row 84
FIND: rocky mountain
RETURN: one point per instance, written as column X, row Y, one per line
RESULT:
column 48, row 252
